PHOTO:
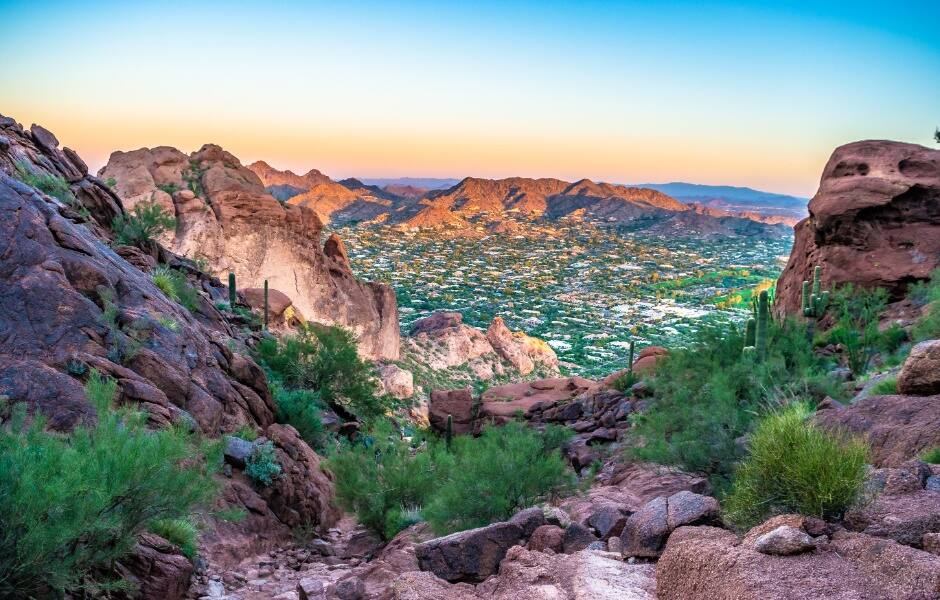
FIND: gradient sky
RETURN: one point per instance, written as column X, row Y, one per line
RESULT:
column 725, row 93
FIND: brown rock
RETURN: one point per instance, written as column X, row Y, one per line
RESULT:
column 456, row 403
column 920, row 375
column 646, row 530
column 904, row 518
column 547, row 537
column 701, row 563
column 897, row 427
column 784, row 541
column 157, row 569
column 646, row 361
column 873, row 222
column 470, row 555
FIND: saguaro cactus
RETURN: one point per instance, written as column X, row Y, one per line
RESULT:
column 265, row 303
column 749, row 332
column 815, row 302
column 449, row 432
column 632, row 348
column 760, row 329
column 232, row 295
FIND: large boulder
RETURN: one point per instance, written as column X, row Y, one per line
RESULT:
column 920, row 374
column 897, row 428
column 646, row 531
column 157, row 569
column 471, row 555
column 457, row 404
column 588, row 574
column 873, row 222
column 905, row 518
column 705, row 563
column 225, row 216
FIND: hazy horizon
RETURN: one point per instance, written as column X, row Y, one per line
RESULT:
column 736, row 94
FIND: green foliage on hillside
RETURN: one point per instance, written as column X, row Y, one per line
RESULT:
column 144, row 222
column 53, row 185
column 931, row 456
column 389, row 485
column 70, row 505
column 856, row 328
column 175, row 285
column 324, row 361
column 706, row 396
column 262, row 465
column 795, row 467
column 928, row 295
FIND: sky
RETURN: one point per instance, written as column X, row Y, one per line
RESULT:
column 736, row 93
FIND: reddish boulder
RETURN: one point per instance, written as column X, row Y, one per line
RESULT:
column 920, row 375
column 458, row 404
column 646, row 361
column 547, row 537
column 646, row 531
column 897, row 428
column 157, row 569
column 702, row 563
column 873, row 222
column 471, row 555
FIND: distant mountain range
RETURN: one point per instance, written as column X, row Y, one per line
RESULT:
column 733, row 198
column 477, row 206
column 426, row 183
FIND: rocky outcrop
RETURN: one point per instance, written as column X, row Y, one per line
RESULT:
column 58, row 278
column 225, row 217
column 471, row 555
column 156, row 569
column 920, row 374
column 897, row 428
column 875, row 222
column 443, row 341
column 706, row 563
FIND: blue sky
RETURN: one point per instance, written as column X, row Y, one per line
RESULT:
column 725, row 93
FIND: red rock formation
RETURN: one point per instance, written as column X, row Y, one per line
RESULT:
column 226, row 217
column 875, row 221
column 55, row 275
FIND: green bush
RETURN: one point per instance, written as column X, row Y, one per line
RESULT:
column 706, row 396
column 70, row 505
column 928, row 294
column 52, row 185
column 262, row 466
column 856, row 311
column 795, row 467
column 885, row 387
column 931, row 456
column 176, row 287
column 325, row 360
column 144, row 222
column 300, row 408
column 381, row 482
column 181, row 532
column 489, row 478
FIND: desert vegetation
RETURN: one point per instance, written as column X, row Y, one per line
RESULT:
column 72, row 504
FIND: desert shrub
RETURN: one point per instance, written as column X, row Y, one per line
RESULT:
column 300, row 408
column 246, row 432
column 174, row 284
column 489, row 478
column 381, row 482
column 885, row 387
column 707, row 396
column 144, row 222
column 931, row 456
column 325, row 360
column 170, row 188
column 181, row 532
column 856, row 312
column 262, row 465
column 70, row 505
column 795, row 467
column 49, row 184
column 928, row 294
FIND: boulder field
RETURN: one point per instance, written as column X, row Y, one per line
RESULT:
column 227, row 219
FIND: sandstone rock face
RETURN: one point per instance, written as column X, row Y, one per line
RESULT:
column 442, row 341
column 897, row 428
column 57, row 276
column 920, row 374
column 471, row 555
column 458, row 404
column 397, row 382
column 588, row 574
column 225, row 216
column 704, row 563
column 874, row 222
